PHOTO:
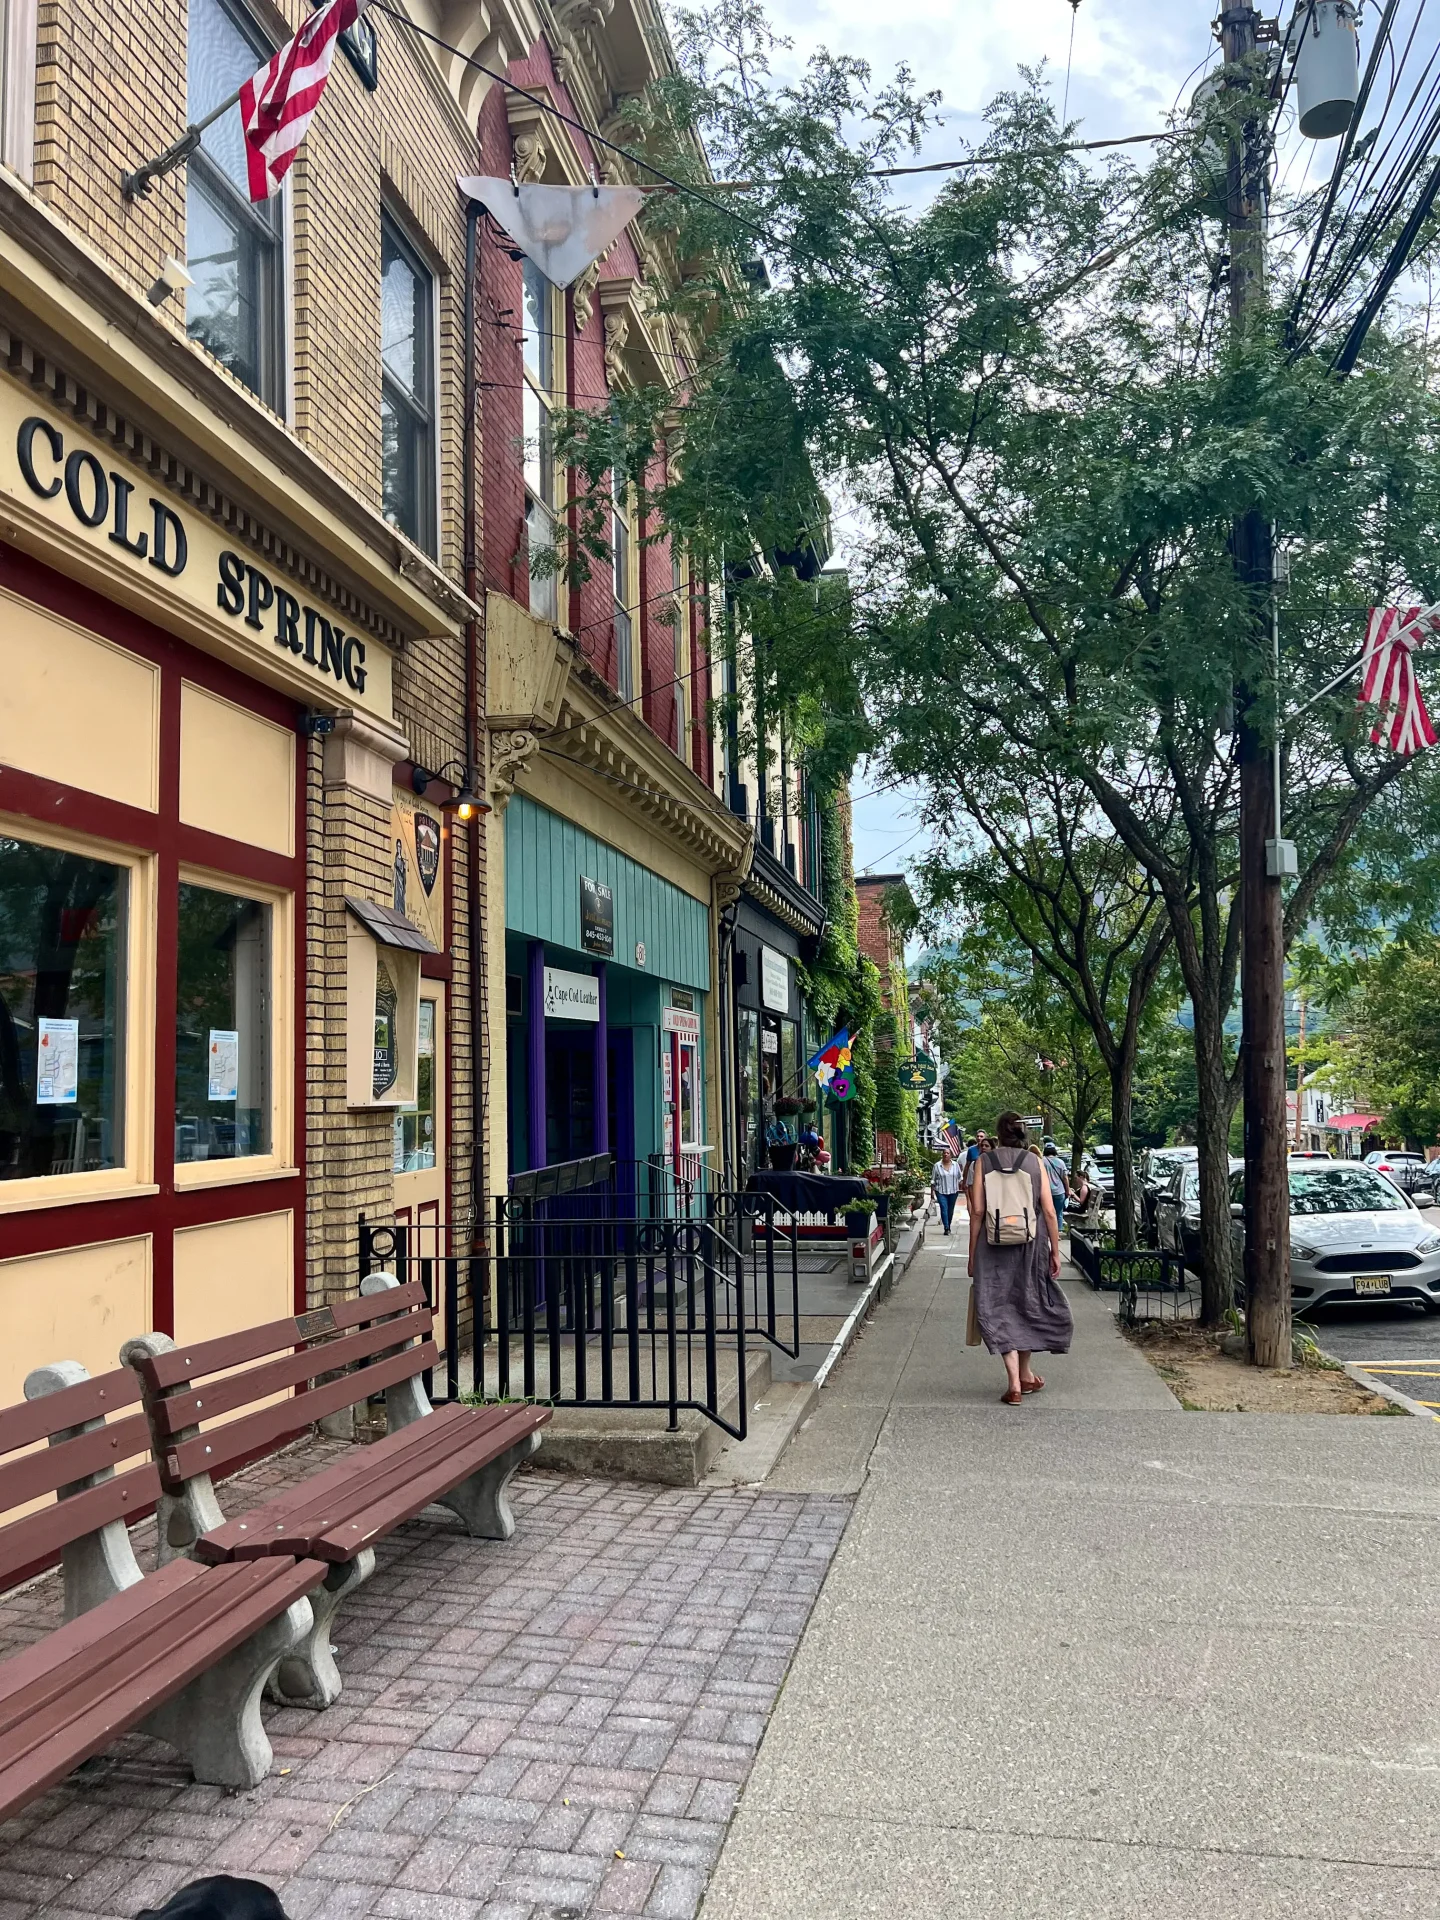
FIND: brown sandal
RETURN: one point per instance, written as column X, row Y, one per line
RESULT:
column 1011, row 1399
column 1032, row 1386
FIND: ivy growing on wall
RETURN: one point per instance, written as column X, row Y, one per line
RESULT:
column 841, row 986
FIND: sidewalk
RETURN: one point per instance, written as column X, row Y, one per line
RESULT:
column 1095, row 1656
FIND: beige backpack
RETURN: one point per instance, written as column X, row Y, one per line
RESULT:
column 1009, row 1203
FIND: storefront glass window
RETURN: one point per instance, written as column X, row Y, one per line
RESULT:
column 62, row 1011
column 689, row 1098
column 790, row 1058
column 222, row 1026
column 415, row 1126
column 748, row 1080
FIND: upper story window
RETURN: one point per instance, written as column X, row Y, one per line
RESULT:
column 680, row 589
column 19, row 37
column 622, row 548
column 407, row 388
column 539, row 335
column 233, row 248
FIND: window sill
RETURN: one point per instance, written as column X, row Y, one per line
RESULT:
column 194, row 1174
column 27, row 1196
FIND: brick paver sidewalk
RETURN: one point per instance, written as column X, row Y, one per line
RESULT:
column 552, row 1727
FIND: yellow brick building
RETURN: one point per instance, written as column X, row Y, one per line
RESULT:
column 242, row 681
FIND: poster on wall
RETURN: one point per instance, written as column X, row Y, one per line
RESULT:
column 774, row 980
column 597, row 917
column 416, row 846
column 57, row 1068
column 224, row 1064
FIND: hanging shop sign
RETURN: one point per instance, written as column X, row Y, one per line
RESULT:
column 597, row 917
column 677, row 1020
column 917, row 1075
column 173, row 563
column 774, row 980
column 417, row 841
column 571, row 996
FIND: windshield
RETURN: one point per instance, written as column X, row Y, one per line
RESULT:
column 1341, row 1190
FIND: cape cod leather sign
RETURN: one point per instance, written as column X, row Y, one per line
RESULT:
column 171, row 562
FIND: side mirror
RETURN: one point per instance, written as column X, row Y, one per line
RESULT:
column 1237, row 1210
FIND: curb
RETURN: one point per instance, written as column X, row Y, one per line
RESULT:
column 1371, row 1384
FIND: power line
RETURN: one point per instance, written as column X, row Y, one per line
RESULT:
column 568, row 119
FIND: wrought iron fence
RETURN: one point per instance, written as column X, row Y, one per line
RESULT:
column 607, row 1284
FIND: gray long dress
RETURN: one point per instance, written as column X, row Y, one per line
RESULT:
column 1017, row 1304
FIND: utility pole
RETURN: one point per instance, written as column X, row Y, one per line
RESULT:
column 1262, row 962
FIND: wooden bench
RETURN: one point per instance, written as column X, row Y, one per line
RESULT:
column 182, row 1653
column 451, row 1456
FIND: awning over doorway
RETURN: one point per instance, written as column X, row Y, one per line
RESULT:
column 1352, row 1122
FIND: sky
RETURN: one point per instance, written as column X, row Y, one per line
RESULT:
column 1132, row 60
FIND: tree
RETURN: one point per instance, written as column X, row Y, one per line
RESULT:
column 1048, row 439
column 1383, row 1045
column 1075, row 903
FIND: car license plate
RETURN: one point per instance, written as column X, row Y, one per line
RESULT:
column 1372, row 1283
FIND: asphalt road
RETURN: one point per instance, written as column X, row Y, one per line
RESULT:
column 1398, row 1344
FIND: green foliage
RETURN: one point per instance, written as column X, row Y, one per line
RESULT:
column 1383, row 1049
column 841, row 986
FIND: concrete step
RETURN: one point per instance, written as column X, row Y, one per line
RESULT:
column 775, row 1419
column 635, row 1443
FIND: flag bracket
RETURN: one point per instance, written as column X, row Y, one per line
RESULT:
column 140, row 182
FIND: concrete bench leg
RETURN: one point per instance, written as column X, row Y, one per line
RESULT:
column 483, row 1501
column 215, row 1722
column 308, row 1677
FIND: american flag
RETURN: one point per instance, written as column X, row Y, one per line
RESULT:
column 1389, row 676
column 276, row 103
column 952, row 1137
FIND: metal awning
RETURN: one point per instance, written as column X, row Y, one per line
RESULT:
column 387, row 926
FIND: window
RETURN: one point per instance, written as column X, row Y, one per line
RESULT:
column 622, row 554
column 415, row 1124
column 407, row 389
column 19, row 37
column 538, row 336
column 222, row 1026
column 682, row 652
column 62, row 1011
column 232, row 247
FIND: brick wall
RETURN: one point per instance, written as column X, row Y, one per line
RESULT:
column 111, row 92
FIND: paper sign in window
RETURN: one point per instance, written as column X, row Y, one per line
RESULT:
column 57, row 1072
column 224, row 1063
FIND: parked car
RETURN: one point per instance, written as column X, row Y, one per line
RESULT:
column 1102, row 1174
column 1407, row 1170
column 1354, row 1236
column 1177, row 1212
column 1156, row 1169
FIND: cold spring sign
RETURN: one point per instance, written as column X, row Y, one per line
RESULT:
column 69, row 496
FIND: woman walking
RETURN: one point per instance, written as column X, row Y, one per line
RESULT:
column 945, row 1184
column 1015, row 1260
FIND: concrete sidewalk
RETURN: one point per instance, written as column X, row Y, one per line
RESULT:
column 1095, row 1656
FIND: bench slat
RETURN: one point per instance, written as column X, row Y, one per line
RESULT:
column 346, row 1540
column 223, row 1446
column 189, row 1408
column 32, row 1474
column 342, row 1491
column 40, row 1535
column 103, row 1636
column 235, row 1601
column 31, row 1420
column 257, row 1343
column 328, row 1495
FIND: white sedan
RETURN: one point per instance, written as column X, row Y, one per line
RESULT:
column 1354, row 1236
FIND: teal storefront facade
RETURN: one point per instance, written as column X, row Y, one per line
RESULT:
column 607, row 984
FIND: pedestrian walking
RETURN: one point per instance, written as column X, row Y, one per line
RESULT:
column 945, row 1185
column 980, row 1144
column 1059, row 1182
column 1015, row 1259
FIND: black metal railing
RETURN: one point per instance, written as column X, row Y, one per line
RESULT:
column 633, row 1288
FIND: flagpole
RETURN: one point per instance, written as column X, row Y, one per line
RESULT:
column 140, row 181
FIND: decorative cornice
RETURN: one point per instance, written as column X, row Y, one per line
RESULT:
column 602, row 738
column 511, row 749
column 773, row 886
column 73, row 328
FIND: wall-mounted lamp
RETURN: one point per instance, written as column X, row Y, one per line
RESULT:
column 175, row 277
column 467, row 804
